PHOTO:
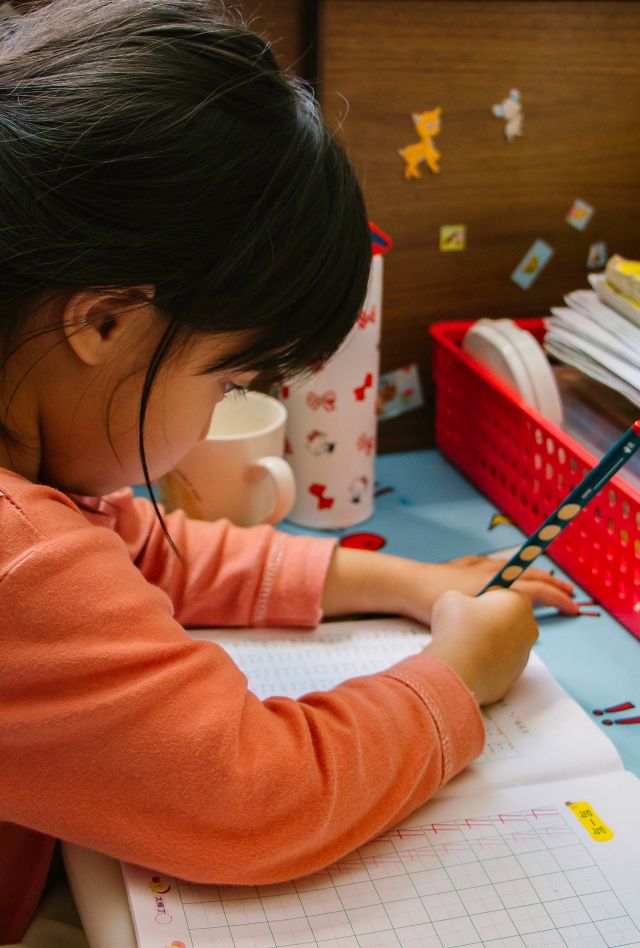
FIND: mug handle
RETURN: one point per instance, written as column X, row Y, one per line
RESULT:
column 284, row 484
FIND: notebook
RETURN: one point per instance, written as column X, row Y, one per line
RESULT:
column 537, row 843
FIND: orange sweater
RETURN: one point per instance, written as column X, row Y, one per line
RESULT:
column 120, row 732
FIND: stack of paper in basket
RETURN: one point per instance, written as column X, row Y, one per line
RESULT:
column 598, row 331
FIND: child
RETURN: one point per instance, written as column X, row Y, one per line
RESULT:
column 174, row 219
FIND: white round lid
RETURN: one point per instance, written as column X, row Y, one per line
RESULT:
column 537, row 365
column 495, row 352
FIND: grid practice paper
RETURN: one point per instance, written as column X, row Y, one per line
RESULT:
column 509, row 869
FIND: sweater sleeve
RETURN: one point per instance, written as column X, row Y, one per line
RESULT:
column 226, row 575
column 123, row 734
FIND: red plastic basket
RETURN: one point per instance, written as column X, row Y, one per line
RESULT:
column 527, row 466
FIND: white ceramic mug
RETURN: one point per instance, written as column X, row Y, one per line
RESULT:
column 238, row 471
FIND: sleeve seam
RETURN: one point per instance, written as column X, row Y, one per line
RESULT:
column 434, row 711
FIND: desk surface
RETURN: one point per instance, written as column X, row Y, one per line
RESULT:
column 432, row 513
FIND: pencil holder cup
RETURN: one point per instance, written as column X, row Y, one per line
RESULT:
column 331, row 424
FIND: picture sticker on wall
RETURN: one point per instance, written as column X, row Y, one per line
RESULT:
column 510, row 109
column 597, row 256
column 453, row 237
column 399, row 391
column 427, row 126
column 532, row 264
column 579, row 214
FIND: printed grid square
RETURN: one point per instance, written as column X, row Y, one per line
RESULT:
column 484, row 898
column 456, row 932
column 319, row 880
column 530, row 918
column 526, row 841
column 379, row 940
column 548, row 939
column 330, row 925
column 514, row 941
column 276, row 888
column 494, row 925
column 244, row 912
column 583, row 936
column 490, row 847
column 417, row 860
column 444, row 905
column 516, row 892
column 587, row 881
column 256, row 935
column 278, row 907
column 320, row 901
column 572, row 857
column 432, row 882
column 407, row 912
column 357, row 894
column 373, row 918
column 205, row 914
column 347, row 941
column 468, row 875
column 228, row 893
column 553, row 886
column 503, row 869
column 419, row 936
column 618, row 931
column 560, row 838
column 395, row 887
column 291, row 931
column 601, row 905
column 566, row 912
column 349, row 869
column 212, row 938
column 538, row 863
column 455, row 853
column 190, row 892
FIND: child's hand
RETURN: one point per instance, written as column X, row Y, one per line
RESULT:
column 360, row 581
column 486, row 641
column 470, row 574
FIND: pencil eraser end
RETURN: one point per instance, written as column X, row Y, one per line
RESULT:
column 635, row 427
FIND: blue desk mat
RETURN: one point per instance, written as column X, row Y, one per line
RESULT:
column 428, row 511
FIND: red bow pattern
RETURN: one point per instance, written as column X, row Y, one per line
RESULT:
column 367, row 316
column 326, row 401
column 361, row 391
column 365, row 444
column 318, row 490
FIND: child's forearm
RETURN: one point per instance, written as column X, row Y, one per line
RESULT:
column 361, row 581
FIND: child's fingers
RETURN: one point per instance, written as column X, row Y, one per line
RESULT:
column 547, row 594
column 542, row 575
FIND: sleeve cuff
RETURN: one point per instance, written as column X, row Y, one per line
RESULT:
column 293, row 581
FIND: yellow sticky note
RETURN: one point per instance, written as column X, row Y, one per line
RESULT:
column 453, row 237
column 588, row 817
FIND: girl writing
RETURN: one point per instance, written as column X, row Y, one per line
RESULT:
column 174, row 220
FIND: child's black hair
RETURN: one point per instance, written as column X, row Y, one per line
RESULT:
column 159, row 142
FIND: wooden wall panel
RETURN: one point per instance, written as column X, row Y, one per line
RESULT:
column 577, row 66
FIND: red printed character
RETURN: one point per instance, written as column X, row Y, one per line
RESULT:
column 361, row 391
column 318, row 491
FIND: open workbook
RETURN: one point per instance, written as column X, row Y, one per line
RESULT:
column 536, row 844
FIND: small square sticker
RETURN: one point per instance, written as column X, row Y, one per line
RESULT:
column 597, row 256
column 532, row 264
column 453, row 237
column 579, row 214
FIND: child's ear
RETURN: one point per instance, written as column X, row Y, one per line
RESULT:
column 93, row 321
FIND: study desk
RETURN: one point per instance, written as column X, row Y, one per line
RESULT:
column 426, row 510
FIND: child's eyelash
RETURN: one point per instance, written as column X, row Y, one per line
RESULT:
column 230, row 388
